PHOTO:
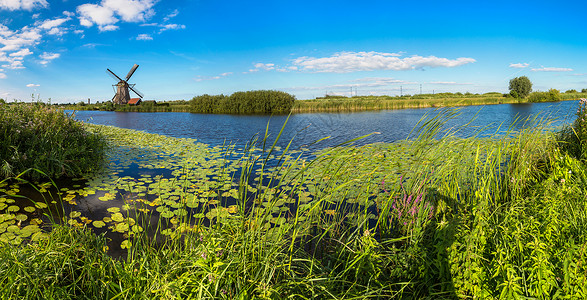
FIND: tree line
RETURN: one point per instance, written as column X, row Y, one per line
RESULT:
column 521, row 87
column 250, row 102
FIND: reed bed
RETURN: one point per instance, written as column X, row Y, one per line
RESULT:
column 42, row 137
column 431, row 217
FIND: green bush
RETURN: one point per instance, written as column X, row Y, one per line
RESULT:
column 550, row 96
column 251, row 102
column 45, row 138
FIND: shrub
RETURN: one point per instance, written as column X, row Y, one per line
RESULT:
column 45, row 138
column 251, row 102
column 571, row 91
column 550, row 96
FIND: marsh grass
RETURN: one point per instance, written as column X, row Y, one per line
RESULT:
column 432, row 217
column 37, row 136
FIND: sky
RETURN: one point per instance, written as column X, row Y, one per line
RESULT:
column 59, row 50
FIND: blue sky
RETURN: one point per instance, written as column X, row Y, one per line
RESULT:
column 60, row 49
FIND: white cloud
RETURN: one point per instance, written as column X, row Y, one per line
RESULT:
column 107, row 27
column 22, row 4
column 171, row 27
column 131, row 10
column 57, row 31
column 32, row 85
column 520, row 65
column 266, row 67
column 92, row 13
column 5, row 31
column 14, row 64
column 47, row 57
column 14, row 41
column 173, row 14
column 344, row 62
column 550, row 69
column 49, row 24
column 204, row 78
column 108, row 12
column 144, row 37
column 21, row 53
column 2, row 75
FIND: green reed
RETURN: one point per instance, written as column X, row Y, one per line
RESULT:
column 432, row 217
column 44, row 138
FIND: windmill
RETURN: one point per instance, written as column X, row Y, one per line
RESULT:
column 122, row 94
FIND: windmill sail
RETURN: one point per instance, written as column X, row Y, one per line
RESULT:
column 122, row 95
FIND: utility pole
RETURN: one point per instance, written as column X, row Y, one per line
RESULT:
column 401, row 91
column 420, row 89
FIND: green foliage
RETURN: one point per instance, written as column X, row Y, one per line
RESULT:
column 522, row 86
column 584, row 91
column 490, row 218
column 44, row 138
column 570, row 91
column 552, row 95
column 251, row 102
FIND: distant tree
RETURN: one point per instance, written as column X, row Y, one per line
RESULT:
column 584, row 91
column 2, row 101
column 570, row 91
column 521, row 86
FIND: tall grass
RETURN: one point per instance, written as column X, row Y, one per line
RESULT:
column 500, row 217
column 41, row 137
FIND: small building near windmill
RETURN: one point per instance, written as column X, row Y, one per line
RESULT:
column 135, row 101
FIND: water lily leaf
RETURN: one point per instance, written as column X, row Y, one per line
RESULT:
column 98, row 224
column 117, row 217
column 137, row 229
column 74, row 214
column 126, row 244
column 167, row 214
column 38, row 236
column 29, row 209
column 13, row 208
column 40, row 205
column 21, row 217
column 12, row 228
column 121, row 227
column 113, row 209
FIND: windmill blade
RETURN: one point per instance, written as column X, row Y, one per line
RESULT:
column 132, row 88
column 132, row 71
column 115, row 76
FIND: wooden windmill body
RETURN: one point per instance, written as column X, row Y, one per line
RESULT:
column 122, row 95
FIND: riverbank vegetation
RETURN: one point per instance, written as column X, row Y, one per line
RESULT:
column 41, row 137
column 364, row 103
column 251, row 102
column 437, row 216
column 333, row 103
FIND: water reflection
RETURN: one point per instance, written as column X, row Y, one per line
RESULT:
column 392, row 125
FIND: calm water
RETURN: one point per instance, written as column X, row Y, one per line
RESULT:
column 305, row 129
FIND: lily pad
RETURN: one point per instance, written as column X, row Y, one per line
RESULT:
column 98, row 224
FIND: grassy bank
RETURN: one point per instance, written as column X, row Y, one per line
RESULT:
column 210, row 104
column 41, row 137
column 365, row 103
column 501, row 217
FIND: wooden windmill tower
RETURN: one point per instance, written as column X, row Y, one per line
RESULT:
column 122, row 94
